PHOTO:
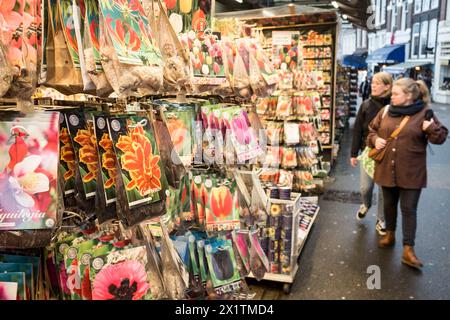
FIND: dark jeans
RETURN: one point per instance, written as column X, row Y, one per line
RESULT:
column 409, row 199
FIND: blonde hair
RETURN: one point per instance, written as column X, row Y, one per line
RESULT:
column 418, row 89
column 385, row 78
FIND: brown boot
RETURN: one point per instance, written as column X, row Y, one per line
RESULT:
column 388, row 240
column 409, row 257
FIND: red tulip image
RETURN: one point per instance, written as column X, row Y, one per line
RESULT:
column 221, row 202
column 170, row 4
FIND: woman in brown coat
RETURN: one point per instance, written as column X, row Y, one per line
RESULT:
column 402, row 172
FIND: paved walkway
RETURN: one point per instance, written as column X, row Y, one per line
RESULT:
column 334, row 263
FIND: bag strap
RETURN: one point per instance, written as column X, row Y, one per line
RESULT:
column 399, row 129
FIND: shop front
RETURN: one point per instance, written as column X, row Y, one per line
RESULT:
column 386, row 56
column 441, row 92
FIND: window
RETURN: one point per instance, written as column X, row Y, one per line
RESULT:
column 415, row 40
column 394, row 15
column 425, row 5
column 404, row 14
column 364, row 39
column 378, row 12
column 434, row 4
column 417, row 6
column 432, row 34
column 423, row 38
column 383, row 11
column 448, row 10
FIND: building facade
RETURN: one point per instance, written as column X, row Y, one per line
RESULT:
column 441, row 92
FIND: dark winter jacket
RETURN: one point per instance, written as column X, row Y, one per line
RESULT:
column 367, row 111
column 405, row 162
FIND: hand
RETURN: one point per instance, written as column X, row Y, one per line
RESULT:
column 380, row 143
column 426, row 124
column 354, row 162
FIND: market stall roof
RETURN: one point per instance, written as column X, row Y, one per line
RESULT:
column 356, row 60
column 269, row 16
column 402, row 67
column 388, row 54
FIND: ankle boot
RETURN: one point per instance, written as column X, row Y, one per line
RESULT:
column 409, row 257
column 388, row 240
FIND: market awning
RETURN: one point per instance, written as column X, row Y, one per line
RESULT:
column 388, row 54
column 355, row 60
column 402, row 67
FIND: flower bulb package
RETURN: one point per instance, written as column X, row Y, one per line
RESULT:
column 35, row 261
column 222, row 266
column 67, row 164
column 122, row 275
column 106, row 173
column 141, row 180
column 81, row 130
column 222, row 210
column 131, row 60
column 29, row 152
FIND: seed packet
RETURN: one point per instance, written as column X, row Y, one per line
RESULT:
column 239, row 239
column 243, row 138
column 35, row 261
column 182, row 248
column 222, row 211
column 132, row 61
column 259, row 264
column 141, row 193
column 222, row 266
column 84, row 143
column 284, row 106
column 274, row 132
column 107, row 161
column 27, row 269
column 19, row 279
column 289, row 159
column 291, row 133
column 203, row 263
column 122, row 275
column 67, row 163
column 180, row 124
column 29, row 166
column 60, row 249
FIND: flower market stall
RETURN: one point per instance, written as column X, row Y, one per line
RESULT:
column 144, row 155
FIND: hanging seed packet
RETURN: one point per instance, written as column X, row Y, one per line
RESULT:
column 239, row 239
column 203, row 263
column 222, row 266
column 199, row 199
column 122, row 275
column 180, row 125
column 291, row 133
column 67, row 163
column 73, row 267
column 128, row 27
column 60, row 249
column 29, row 166
column 19, row 279
column 259, row 264
column 106, row 186
column 84, row 143
column 223, row 212
column 140, row 169
column 85, row 254
column 27, row 269
column 242, row 136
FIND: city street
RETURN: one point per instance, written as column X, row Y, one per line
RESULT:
column 335, row 260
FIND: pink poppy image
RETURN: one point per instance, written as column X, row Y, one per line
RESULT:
column 123, row 281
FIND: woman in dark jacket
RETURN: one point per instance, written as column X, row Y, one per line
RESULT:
column 402, row 172
column 381, row 96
